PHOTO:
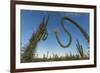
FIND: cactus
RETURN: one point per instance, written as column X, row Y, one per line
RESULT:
column 70, row 38
column 40, row 34
column 80, row 49
column 85, row 34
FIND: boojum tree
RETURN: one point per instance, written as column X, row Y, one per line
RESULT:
column 83, row 32
column 40, row 34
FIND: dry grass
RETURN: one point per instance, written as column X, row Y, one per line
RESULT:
column 80, row 55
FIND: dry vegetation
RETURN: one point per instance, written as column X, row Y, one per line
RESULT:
column 81, row 55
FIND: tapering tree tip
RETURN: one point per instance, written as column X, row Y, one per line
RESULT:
column 55, row 30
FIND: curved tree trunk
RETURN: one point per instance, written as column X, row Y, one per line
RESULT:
column 86, row 36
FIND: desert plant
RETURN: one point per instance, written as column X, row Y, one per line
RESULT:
column 80, row 49
column 56, row 57
column 30, row 49
column 83, row 32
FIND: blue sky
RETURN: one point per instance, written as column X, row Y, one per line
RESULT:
column 30, row 20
